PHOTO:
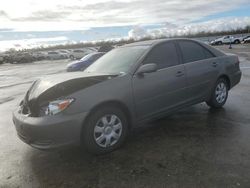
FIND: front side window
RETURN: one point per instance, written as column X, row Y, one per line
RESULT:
column 192, row 51
column 164, row 55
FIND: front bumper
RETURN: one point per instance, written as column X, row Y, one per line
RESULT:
column 49, row 132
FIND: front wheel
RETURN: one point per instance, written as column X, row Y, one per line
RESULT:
column 219, row 43
column 105, row 130
column 219, row 94
column 237, row 42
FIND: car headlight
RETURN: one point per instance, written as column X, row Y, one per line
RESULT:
column 58, row 106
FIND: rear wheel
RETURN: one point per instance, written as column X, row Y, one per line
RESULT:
column 105, row 130
column 219, row 94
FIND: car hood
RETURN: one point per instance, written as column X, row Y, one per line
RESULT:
column 57, row 86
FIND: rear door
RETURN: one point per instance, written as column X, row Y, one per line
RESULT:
column 202, row 68
column 161, row 90
column 226, row 39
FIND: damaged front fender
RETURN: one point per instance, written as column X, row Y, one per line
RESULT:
column 44, row 91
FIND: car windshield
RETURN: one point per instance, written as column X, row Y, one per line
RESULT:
column 118, row 60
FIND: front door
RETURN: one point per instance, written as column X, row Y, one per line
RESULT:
column 161, row 90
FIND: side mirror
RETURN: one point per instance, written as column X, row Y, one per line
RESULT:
column 147, row 68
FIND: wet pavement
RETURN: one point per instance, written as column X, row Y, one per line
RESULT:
column 195, row 147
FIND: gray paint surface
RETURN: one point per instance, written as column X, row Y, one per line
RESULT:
column 145, row 97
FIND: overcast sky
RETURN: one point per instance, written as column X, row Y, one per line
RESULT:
column 80, row 20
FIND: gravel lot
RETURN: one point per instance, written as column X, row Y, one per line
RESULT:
column 196, row 147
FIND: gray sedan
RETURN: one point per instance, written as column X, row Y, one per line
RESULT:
column 126, row 87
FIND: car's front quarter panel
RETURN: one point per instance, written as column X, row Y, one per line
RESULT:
column 117, row 89
column 64, row 128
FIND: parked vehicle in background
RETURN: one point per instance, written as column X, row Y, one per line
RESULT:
column 65, row 53
column 83, row 63
column 246, row 39
column 227, row 40
column 21, row 57
column 79, row 53
column 126, row 87
column 39, row 56
column 53, row 55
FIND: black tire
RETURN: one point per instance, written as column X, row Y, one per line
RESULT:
column 219, row 43
column 214, row 102
column 237, row 42
column 88, row 135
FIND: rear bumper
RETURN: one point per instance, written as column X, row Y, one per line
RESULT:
column 49, row 132
column 235, row 78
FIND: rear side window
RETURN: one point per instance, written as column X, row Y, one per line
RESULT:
column 192, row 51
column 164, row 55
column 208, row 54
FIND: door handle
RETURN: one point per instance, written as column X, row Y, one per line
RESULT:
column 179, row 74
column 214, row 64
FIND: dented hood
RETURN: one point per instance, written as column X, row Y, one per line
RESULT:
column 53, row 87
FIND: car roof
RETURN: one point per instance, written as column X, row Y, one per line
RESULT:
column 154, row 42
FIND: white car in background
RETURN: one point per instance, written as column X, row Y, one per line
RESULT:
column 79, row 53
column 246, row 39
column 65, row 53
column 227, row 40
column 53, row 55
column 39, row 55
